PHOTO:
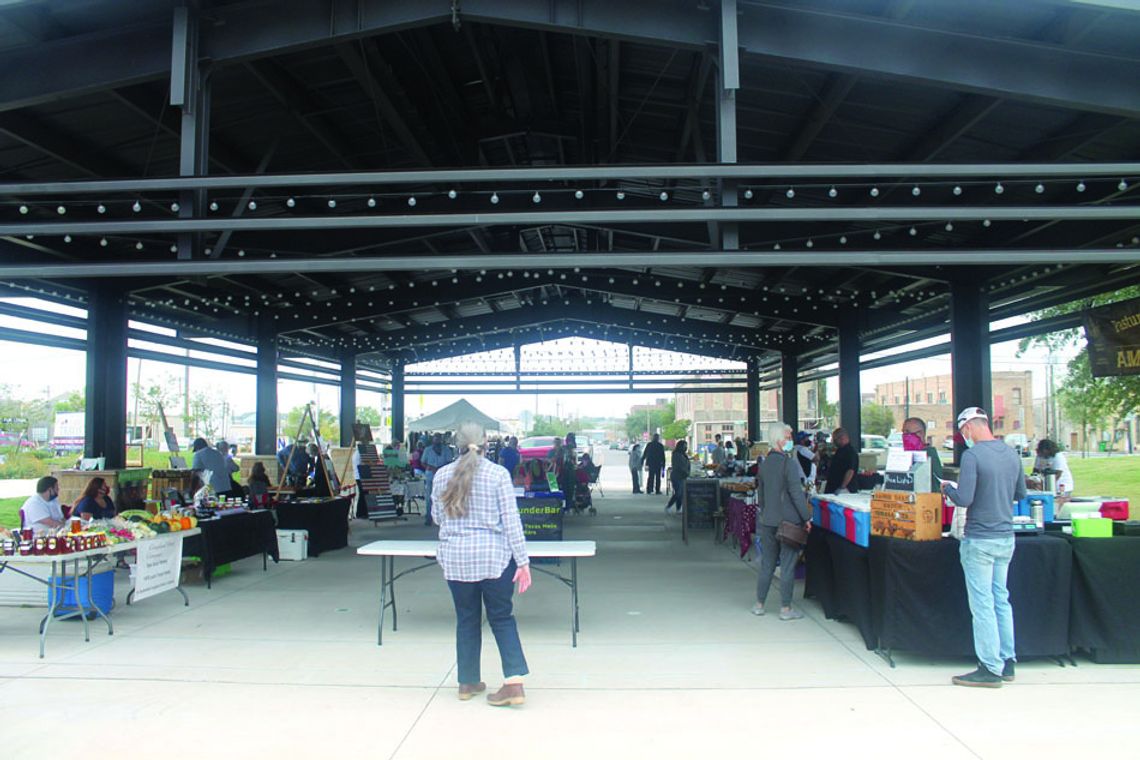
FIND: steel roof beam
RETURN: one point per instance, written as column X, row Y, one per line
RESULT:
column 942, row 257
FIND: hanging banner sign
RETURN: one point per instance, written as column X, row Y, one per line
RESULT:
column 1113, row 334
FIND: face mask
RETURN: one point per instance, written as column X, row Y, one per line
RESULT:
column 912, row 442
column 969, row 442
column 788, row 446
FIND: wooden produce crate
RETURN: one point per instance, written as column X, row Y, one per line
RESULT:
column 163, row 480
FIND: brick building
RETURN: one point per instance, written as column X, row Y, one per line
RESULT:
column 931, row 399
column 727, row 413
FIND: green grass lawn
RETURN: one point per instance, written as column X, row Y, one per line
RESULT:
column 10, row 511
column 1108, row 476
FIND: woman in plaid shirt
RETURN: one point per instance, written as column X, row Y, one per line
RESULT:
column 483, row 554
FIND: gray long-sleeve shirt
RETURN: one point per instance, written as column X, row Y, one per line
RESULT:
column 781, row 491
column 990, row 481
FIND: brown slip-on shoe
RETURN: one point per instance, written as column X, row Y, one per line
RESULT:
column 468, row 690
column 509, row 694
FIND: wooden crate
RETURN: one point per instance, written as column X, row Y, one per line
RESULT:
column 163, row 480
column 128, row 487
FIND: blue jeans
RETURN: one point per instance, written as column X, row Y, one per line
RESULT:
column 985, row 563
column 495, row 595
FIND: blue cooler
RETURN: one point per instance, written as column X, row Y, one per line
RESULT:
column 1022, row 507
column 102, row 594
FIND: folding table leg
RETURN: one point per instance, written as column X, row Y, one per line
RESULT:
column 392, row 588
column 383, row 600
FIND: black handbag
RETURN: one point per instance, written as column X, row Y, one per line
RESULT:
column 792, row 535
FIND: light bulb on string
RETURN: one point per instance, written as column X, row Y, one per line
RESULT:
column 832, row 193
column 1039, row 189
column 998, row 189
column 878, row 235
column 61, row 210
column 412, row 200
column 252, row 205
column 791, row 193
column 213, row 205
column 579, row 194
column 957, row 190
column 175, row 207
column 452, row 194
column 916, row 191
column 536, row 198
column 332, row 203
column 1081, row 186
column 1122, row 186
column 494, row 198
column 23, row 209
column 290, row 203
column 664, row 196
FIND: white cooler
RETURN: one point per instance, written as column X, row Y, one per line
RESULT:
column 293, row 544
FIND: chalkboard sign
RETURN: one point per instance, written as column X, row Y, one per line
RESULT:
column 541, row 521
column 899, row 481
column 701, row 502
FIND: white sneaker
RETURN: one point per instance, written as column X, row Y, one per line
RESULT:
column 791, row 614
column 758, row 609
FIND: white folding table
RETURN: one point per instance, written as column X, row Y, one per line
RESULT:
column 387, row 551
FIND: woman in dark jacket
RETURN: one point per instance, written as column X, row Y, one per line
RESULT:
column 679, row 473
column 95, row 503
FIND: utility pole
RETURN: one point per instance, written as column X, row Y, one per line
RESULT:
column 906, row 403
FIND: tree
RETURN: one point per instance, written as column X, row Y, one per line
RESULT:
column 76, row 401
column 329, row 427
column 150, row 398
column 657, row 419
column 1093, row 403
column 545, row 424
column 203, row 414
column 369, row 415
column 877, row 419
column 828, row 410
column 675, row 430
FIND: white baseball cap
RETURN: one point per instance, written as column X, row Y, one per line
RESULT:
column 972, row 413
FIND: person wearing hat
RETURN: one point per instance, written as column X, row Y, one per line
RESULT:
column 989, row 482
column 805, row 456
column 207, row 459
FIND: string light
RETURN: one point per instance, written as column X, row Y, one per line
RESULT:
column 213, row 205
column 536, row 198
column 495, row 199
column 957, row 190
column 748, row 194
column 579, row 194
column 664, row 196
column 1039, row 189
column 137, row 207
column 371, row 202
column 832, row 193
column 452, row 194
column 1081, row 186
column 412, row 201
column 23, row 209
column 290, row 203
column 998, row 189
column 874, row 192
column 332, row 203
column 621, row 195
column 1122, row 186
column 101, row 209
column 791, row 193
column 916, row 191
column 175, row 207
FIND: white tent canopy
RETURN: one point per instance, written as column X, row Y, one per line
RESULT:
column 452, row 416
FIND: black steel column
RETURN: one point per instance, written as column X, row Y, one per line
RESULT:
column 190, row 93
column 397, row 402
column 850, row 399
column 265, row 437
column 347, row 396
column 969, row 349
column 753, row 401
column 106, row 413
column 790, row 389
column 728, row 82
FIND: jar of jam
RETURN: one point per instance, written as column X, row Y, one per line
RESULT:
column 52, row 545
column 9, row 546
column 39, row 546
column 65, row 544
column 25, row 548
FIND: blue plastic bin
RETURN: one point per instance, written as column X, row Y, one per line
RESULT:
column 102, row 594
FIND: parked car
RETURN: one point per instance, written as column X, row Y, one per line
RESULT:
column 536, row 447
column 894, row 440
column 948, row 443
column 878, row 445
column 1019, row 442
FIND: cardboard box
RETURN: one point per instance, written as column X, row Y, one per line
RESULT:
column 910, row 516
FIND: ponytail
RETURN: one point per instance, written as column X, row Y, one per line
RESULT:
column 457, row 492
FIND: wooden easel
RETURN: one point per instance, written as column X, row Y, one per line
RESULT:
column 326, row 463
column 361, row 433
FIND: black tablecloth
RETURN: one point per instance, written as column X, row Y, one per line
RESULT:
column 325, row 519
column 1106, row 597
column 233, row 537
column 911, row 595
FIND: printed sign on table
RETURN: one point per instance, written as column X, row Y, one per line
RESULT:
column 159, row 566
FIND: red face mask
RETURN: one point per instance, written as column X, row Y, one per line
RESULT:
column 912, row 442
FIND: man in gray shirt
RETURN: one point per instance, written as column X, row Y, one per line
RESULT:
column 991, row 479
column 211, row 460
column 781, row 495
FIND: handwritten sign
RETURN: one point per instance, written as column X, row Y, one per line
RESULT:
column 159, row 566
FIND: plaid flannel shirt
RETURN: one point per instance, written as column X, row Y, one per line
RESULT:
column 479, row 545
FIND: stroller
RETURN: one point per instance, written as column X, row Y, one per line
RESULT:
column 587, row 478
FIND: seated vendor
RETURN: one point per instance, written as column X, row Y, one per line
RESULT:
column 95, row 502
column 1050, row 459
column 258, row 485
column 42, row 510
column 914, row 439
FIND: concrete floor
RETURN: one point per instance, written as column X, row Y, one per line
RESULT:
column 670, row 663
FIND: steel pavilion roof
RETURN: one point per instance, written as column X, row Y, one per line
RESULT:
column 302, row 87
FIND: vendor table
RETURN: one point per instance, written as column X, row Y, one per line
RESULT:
column 387, row 551
column 1106, row 597
column 911, row 595
column 325, row 519
column 233, row 537
column 57, row 581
